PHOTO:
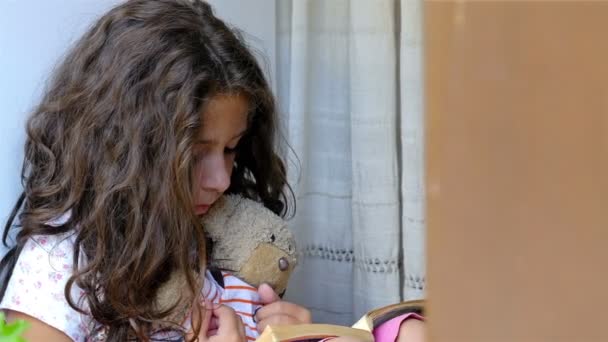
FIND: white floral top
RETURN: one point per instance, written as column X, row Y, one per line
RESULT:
column 36, row 288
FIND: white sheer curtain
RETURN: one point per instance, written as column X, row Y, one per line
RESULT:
column 412, row 150
column 349, row 86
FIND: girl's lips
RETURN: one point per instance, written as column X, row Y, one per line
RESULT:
column 201, row 209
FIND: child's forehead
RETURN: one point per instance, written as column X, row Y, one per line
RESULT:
column 222, row 102
column 224, row 114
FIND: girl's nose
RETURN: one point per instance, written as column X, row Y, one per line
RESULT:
column 216, row 176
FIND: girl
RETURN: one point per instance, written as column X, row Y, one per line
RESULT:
column 154, row 114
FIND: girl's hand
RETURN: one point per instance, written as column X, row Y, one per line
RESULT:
column 221, row 324
column 278, row 312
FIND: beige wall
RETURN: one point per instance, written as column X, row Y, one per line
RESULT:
column 517, row 170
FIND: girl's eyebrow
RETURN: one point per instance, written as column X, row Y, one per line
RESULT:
column 211, row 141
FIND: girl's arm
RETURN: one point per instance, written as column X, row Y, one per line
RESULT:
column 412, row 330
column 37, row 330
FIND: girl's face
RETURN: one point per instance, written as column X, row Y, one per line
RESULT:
column 224, row 122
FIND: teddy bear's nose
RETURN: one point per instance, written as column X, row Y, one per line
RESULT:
column 283, row 264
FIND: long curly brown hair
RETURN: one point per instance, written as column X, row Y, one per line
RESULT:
column 111, row 142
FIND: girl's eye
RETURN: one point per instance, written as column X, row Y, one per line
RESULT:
column 229, row 150
column 199, row 154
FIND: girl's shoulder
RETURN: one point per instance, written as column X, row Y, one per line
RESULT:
column 54, row 248
column 47, row 258
column 53, row 253
column 37, row 284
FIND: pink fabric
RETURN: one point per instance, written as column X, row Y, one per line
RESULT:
column 388, row 331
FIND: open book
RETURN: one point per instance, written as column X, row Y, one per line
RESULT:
column 361, row 330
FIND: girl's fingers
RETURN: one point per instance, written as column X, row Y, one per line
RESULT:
column 280, row 319
column 228, row 320
column 241, row 330
column 301, row 314
column 207, row 313
column 213, row 323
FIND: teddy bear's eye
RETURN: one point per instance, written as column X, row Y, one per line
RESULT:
column 272, row 238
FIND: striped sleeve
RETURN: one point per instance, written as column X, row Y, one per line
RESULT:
column 244, row 299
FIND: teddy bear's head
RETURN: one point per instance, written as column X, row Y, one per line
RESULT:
column 250, row 241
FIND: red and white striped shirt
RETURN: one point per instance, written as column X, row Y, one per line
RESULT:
column 244, row 299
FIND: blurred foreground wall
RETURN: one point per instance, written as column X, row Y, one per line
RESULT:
column 517, row 170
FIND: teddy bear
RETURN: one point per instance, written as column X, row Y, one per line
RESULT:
column 246, row 239
column 250, row 241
